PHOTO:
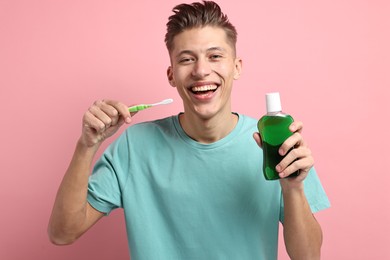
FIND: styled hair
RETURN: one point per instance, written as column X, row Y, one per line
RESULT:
column 198, row 15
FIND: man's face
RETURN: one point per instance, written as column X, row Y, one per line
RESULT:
column 203, row 67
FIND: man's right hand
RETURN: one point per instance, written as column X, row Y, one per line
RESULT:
column 72, row 215
column 102, row 120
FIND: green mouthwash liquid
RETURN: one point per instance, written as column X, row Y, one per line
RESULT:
column 273, row 129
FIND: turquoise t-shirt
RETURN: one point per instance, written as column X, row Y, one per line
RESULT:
column 187, row 200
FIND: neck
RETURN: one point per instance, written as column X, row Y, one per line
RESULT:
column 208, row 130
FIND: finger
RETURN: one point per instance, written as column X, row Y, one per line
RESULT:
column 293, row 155
column 257, row 138
column 122, row 109
column 101, row 114
column 302, row 166
column 91, row 121
column 296, row 159
column 296, row 126
column 111, row 112
column 294, row 140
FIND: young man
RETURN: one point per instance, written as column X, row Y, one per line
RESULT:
column 191, row 185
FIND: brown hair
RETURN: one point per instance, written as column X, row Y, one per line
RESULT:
column 198, row 15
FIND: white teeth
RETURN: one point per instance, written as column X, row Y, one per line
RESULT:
column 204, row 88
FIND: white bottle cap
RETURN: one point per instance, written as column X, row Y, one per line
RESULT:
column 273, row 103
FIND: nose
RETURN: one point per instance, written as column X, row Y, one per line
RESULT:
column 201, row 68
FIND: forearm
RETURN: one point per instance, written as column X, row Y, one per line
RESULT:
column 302, row 233
column 70, row 208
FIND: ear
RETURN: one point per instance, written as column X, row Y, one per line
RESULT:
column 170, row 76
column 238, row 68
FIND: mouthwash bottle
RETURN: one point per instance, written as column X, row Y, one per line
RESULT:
column 273, row 129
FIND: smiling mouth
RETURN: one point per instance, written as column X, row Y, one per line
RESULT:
column 203, row 89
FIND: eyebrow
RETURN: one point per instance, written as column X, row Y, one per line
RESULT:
column 208, row 50
column 216, row 49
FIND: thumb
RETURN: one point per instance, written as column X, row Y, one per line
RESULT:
column 127, row 120
column 257, row 138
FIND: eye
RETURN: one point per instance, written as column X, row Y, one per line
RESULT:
column 216, row 57
column 186, row 60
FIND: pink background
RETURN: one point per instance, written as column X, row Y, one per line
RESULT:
column 329, row 59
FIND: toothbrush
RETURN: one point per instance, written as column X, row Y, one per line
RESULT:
column 145, row 106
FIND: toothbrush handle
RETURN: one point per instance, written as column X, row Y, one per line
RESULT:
column 138, row 108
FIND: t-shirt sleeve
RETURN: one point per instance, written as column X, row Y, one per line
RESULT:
column 315, row 194
column 108, row 177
